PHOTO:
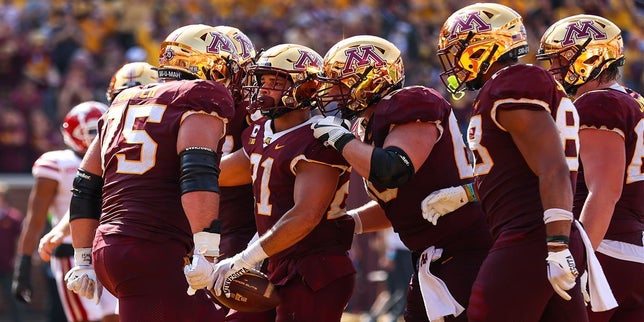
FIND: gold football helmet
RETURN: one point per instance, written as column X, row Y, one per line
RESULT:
column 358, row 72
column 129, row 75
column 198, row 51
column 580, row 47
column 246, row 53
column 299, row 64
column 475, row 37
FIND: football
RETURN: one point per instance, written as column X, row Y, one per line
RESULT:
column 250, row 292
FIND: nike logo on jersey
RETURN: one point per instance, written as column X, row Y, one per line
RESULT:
column 277, row 146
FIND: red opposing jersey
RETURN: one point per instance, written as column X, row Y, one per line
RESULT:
column 141, row 194
column 446, row 166
column 273, row 157
column 508, row 188
column 613, row 109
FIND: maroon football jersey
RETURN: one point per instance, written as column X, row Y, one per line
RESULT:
column 236, row 204
column 141, row 194
column 273, row 157
column 446, row 166
column 508, row 189
column 615, row 110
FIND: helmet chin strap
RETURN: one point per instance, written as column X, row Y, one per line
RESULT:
column 268, row 107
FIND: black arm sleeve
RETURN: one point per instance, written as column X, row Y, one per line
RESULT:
column 390, row 167
column 87, row 196
column 199, row 170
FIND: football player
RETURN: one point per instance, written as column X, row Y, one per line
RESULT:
column 151, row 178
column 524, row 136
column 236, row 222
column 54, row 173
column 300, row 188
column 129, row 75
column 585, row 53
column 408, row 145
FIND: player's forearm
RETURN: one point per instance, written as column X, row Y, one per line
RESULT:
column 358, row 154
column 33, row 227
column 200, row 208
column 289, row 230
column 63, row 225
column 372, row 217
column 596, row 215
column 83, row 230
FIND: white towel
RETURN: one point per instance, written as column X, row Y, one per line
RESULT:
column 601, row 296
column 438, row 300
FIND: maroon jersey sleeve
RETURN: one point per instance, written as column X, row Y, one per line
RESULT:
column 508, row 188
column 618, row 111
column 138, row 135
column 273, row 157
column 446, row 166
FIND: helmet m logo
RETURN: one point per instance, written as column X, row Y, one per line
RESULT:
column 246, row 45
column 305, row 60
column 361, row 56
column 219, row 44
column 468, row 22
column 580, row 30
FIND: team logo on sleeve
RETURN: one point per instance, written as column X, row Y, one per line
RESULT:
column 580, row 30
column 468, row 22
column 361, row 56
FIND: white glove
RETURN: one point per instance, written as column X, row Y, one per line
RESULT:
column 333, row 131
column 562, row 272
column 199, row 274
column 442, row 202
column 227, row 270
column 81, row 279
column 231, row 268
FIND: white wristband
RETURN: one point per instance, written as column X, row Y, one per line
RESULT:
column 556, row 214
column 357, row 230
column 206, row 243
column 83, row 256
column 254, row 253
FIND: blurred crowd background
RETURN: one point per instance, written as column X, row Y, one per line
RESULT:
column 55, row 54
column 58, row 53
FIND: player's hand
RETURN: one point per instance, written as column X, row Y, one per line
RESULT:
column 333, row 131
column 227, row 270
column 48, row 242
column 562, row 272
column 21, row 285
column 199, row 274
column 442, row 202
column 82, row 281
